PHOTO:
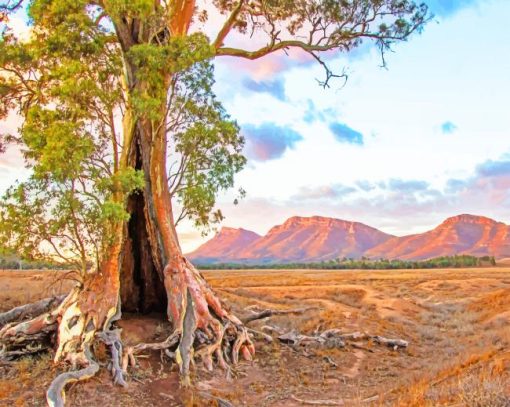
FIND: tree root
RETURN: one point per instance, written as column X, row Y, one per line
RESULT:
column 29, row 336
column 55, row 396
column 111, row 337
column 165, row 346
column 203, row 329
column 332, row 338
column 30, row 310
column 77, row 326
column 207, row 329
column 263, row 335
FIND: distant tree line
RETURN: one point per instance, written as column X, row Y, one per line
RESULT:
column 10, row 260
column 460, row 261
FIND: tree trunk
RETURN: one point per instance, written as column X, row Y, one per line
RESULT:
column 141, row 286
column 155, row 273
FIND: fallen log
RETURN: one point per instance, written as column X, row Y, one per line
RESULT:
column 333, row 338
column 330, row 338
column 30, row 310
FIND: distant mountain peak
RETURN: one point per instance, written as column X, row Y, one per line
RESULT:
column 467, row 218
column 314, row 219
column 319, row 238
column 461, row 234
column 235, row 231
column 226, row 242
column 298, row 239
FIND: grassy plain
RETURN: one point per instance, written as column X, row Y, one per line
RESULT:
column 457, row 322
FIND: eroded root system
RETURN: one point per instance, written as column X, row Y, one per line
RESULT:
column 204, row 330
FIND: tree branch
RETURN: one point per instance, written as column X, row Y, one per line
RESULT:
column 218, row 42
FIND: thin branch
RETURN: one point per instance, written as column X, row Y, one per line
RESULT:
column 218, row 42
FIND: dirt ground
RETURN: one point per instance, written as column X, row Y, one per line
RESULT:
column 457, row 322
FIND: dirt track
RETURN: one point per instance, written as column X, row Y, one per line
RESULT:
column 457, row 322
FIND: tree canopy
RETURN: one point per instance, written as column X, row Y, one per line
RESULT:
column 71, row 94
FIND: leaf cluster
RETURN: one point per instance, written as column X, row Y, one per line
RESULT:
column 207, row 142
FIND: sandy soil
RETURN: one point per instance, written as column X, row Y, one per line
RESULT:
column 457, row 322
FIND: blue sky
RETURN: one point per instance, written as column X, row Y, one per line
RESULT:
column 400, row 148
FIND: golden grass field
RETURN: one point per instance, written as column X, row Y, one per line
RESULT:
column 457, row 322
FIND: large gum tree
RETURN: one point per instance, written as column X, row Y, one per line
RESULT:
column 104, row 76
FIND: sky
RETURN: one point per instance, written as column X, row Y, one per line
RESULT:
column 399, row 149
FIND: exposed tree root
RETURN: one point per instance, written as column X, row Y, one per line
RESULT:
column 30, row 310
column 332, row 338
column 207, row 329
column 165, row 346
column 29, row 336
column 111, row 337
column 263, row 335
column 85, row 314
column 55, row 396
column 203, row 329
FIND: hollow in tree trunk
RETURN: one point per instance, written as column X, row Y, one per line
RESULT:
column 155, row 272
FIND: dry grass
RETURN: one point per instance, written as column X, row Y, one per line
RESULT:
column 456, row 321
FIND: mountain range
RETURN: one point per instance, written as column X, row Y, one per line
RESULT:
column 315, row 239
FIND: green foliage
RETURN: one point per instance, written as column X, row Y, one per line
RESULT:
column 157, row 62
column 207, row 143
column 125, row 180
column 131, row 8
column 65, row 83
column 57, row 143
column 459, row 261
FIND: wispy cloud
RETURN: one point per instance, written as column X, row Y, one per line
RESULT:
column 313, row 114
column 345, row 134
column 268, row 141
column 276, row 87
column 397, row 184
column 324, row 192
column 492, row 168
column 448, row 127
column 365, row 185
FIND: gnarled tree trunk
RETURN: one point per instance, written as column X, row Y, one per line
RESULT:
column 160, row 274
